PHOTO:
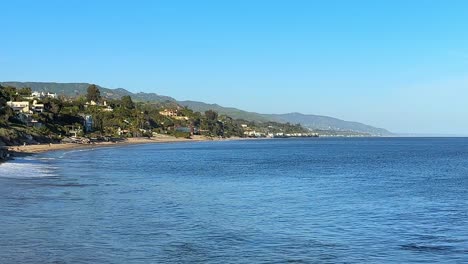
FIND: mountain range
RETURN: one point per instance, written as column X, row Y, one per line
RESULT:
column 314, row 122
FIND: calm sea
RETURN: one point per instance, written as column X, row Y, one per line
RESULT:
column 380, row 200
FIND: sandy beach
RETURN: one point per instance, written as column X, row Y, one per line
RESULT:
column 39, row 148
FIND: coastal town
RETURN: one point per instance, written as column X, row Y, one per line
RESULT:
column 30, row 117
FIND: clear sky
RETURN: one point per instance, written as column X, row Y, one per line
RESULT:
column 401, row 65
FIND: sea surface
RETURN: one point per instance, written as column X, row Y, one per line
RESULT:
column 374, row 200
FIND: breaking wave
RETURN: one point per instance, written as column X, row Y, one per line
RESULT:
column 28, row 167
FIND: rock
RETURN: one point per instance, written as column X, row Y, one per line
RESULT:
column 4, row 155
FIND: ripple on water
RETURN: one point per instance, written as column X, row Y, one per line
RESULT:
column 279, row 201
column 427, row 247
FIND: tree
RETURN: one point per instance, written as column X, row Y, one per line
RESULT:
column 5, row 111
column 127, row 102
column 53, row 105
column 5, row 114
column 211, row 115
column 93, row 93
column 3, row 97
column 25, row 91
column 10, row 93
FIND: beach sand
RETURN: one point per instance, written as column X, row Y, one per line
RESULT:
column 32, row 149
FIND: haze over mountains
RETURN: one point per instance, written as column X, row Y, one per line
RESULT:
column 306, row 120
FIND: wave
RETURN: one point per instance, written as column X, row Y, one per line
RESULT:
column 64, row 153
column 28, row 167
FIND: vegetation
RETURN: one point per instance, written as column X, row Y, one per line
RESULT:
column 52, row 119
column 324, row 124
column 93, row 93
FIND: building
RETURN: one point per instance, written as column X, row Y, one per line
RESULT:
column 38, row 108
column 92, row 103
column 41, row 95
column 173, row 114
column 254, row 134
column 122, row 132
column 19, row 107
column 88, row 123
column 51, row 95
column 74, row 131
column 169, row 113
column 184, row 130
column 106, row 107
column 103, row 106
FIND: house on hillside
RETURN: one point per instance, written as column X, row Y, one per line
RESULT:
column 106, row 107
column 73, row 131
column 19, row 107
column 103, row 106
column 93, row 103
column 173, row 114
column 41, row 95
column 38, row 108
column 169, row 112
column 51, row 95
column 88, row 123
column 254, row 134
column 122, row 132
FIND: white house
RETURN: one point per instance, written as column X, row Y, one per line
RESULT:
column 40, row 95
column 51, row 95
column 38, row 108
column 36, row 94
column 169, row 113
column 19, row 107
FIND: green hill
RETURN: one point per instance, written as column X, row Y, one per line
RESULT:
column 77, row 89
column 229, row 111
column 310, row 121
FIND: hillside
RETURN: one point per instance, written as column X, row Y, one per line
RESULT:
column 328, row 123
column 76, row 89
column 309, row 121
column 229, row 111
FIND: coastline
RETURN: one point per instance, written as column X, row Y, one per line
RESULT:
column 26, row 150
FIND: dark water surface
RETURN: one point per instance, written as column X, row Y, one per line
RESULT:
column 386, row 200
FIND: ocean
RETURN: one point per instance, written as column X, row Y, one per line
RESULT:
column 315, row 200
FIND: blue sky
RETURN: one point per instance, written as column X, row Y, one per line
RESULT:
column 401, row 65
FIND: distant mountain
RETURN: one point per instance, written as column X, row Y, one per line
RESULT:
column 328, row 123
column 309, row 121
column 229, row 111
column 76, row 89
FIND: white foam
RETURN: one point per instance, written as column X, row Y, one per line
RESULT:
column 46, row 158
column 67, row 152
column 27, row 168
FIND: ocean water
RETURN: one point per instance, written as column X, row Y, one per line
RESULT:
column 379, row 200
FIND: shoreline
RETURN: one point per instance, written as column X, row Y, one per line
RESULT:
column 22, row 151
